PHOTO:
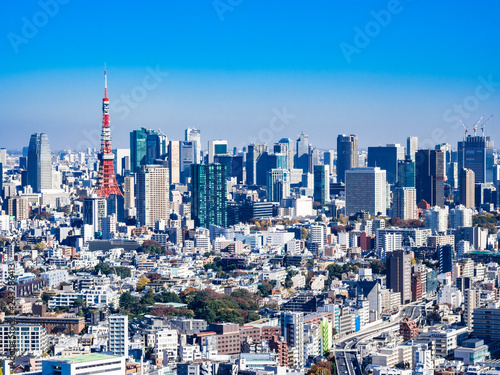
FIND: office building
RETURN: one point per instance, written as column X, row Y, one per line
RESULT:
column 129, row 192
column 446, row 257
column 122, row 161
column 146, row 146
column 387, row 158
column 278, row 184
column 94, row 209
column 118, row 335
column 405, row 203
column 187, row 156
column 39, row 163
column 153, row 193
column 467, row 188
column 366, row 190
column 406, row 173
column 429, row 176
column 194, row 135
column 347, row 155
column 411, row 147
column 398, row 265
column 216, row 147
column 476, row 153
column 256, row 164
column 18, row 207
column 209, row 195
column 31, row 339
column 322, row 184
column 3, row 156
column 460, row 217
column 234, row 166
column 301, row 160
column 329, row 159
column 436, row 219
column 486, row 323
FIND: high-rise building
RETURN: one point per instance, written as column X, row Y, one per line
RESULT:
column 322, row 183
column 194, row 135
column 406, row 173
column 301, row 159
column 285, row 146
column 292, row 330
column 366, row 190
column 398, row 266
column 467, row 188
column 411, row 147
column 460, row 217
column 278, row 184
column 446, row 257
column 216, row 147
column 18, row 207
column 209, row 195
column 146, row 146
column 118, row 335
column 256, row 164
column 429, row 176
column 94, row 209
column 129, row 192
column 187, row 157
column 476, row 153
column 347, row 155
column 471, row 302
column 387, row 158
column 329, row 159
column 122, row 164
column 3, row 156
column 39, row 163
column 436, row 219
column 153, row 193
column 405, row 203
column 234, row 166
column 174, row 161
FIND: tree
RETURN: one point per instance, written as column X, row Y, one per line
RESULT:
column 40, row 246
column 80, row 302
column 46, row 297
column 142, row 282
column 127, row 300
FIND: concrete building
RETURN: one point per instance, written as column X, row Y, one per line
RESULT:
column 152, row 198
column 398, row 265
column 118, row 335
column 366, row 190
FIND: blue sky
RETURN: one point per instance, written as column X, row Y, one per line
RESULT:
column 227, row 67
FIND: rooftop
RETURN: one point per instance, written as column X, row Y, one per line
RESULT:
column 87, row 358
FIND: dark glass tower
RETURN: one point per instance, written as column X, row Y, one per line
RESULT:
column 39, row 162
column 429, row 175
column 347, row 154
column 208, row 194
column 146, row 146
column 386, row 158
column 476, row 153
column 406, row 173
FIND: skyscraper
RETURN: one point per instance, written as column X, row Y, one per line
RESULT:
column 216, row 147
column 146, row 146
column 234, row 166
column 398, row 265
column 406, row 173
column 411, row 147
column 39, row 163
column 321, row 184
column 187, row 157
column 476, row 153
column 278, row 184
column 194, row 135
column 329, row 159
column 467, row 188
column 94, row 209
column 405, row 203
column 285, row 146
column 118, row 335
column 387, row 158
column 153, row 195
column 429, row 176
column 366, row 190
column 302, row 153
column 174, row 161
column 347, row 155
column 209, row 195
column 3, row 156
column 257, row 164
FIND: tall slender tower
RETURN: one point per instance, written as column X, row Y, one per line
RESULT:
column 106, row 184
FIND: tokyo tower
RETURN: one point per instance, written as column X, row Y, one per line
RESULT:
column 106, row 184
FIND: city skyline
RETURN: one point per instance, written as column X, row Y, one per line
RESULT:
column 224, row 73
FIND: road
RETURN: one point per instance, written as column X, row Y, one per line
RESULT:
column 346, row 352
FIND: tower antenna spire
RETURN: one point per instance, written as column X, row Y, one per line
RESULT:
column 105, row 82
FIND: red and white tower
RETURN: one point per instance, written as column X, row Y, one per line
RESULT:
column 106, row 184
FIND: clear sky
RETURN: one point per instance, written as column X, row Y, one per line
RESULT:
column 249, row 70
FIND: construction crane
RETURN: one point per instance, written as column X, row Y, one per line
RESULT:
column 475, row 125
column 465, row 127
column 484, row 123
